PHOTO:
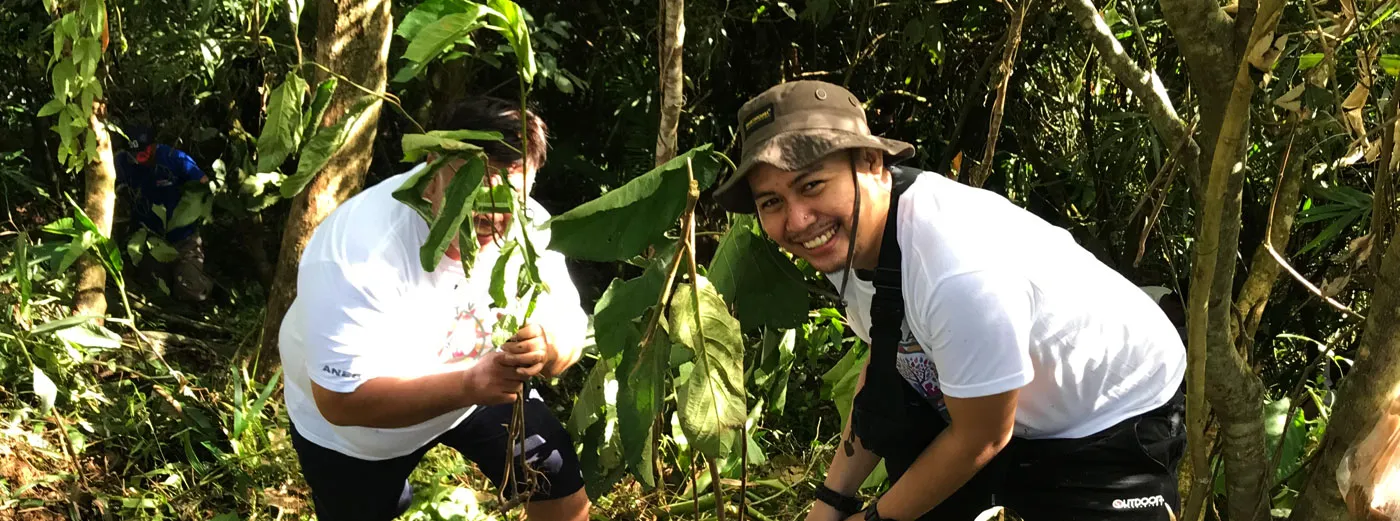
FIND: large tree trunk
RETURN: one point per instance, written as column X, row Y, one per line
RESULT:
column 99, row 199
column 670, row 46
column 1362, row 396
column 352, row 38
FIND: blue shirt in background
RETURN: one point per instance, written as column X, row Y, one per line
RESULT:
column 159, row 183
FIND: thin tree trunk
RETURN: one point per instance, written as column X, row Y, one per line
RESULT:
column 1235, row 392
column 99, row 199
column 1008, row 63
column 352, row 38
column 1362, row 396
column 1263, row 269
column 672, row 79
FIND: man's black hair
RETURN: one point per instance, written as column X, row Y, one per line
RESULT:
column 494, row 114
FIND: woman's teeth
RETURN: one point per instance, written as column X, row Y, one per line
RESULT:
column 819, row 241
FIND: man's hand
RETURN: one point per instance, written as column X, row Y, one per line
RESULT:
column 495, row 379
column 532, row 352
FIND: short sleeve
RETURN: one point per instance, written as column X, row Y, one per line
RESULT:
column 975, row 327
column 345, row 321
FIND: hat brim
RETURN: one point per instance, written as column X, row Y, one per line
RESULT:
column 795, row 150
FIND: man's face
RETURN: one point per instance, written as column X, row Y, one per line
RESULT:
column 809, row 212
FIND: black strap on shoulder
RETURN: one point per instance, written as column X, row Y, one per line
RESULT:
column 882, row 379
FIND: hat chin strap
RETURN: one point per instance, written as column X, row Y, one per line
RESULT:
column 851, row 244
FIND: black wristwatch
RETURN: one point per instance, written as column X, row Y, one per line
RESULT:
column 873, row 514
column 846, row 505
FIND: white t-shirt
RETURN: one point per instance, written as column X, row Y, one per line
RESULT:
column 997, row 299
column 365, row 309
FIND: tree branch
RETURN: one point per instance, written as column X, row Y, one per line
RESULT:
column 1145, row 84
column 1008, row 62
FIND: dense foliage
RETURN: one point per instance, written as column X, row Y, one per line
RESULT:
column 165, row 410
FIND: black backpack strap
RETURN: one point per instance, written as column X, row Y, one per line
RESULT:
column 883, row 394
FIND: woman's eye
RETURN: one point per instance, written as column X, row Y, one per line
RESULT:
column 768, row 203
column 812, row 186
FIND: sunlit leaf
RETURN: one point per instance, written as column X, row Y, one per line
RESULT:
column 324, row 144
column 711, row 399
column 1391, row 64
column 45, row 389
column 455, row 208
column 90, row 336
column 161, row 250
column 281, row 133
column 621, row 223
column 498, row 275
column 591, row 403
column 62, row 323
column 1310, row 60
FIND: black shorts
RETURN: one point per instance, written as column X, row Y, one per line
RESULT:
column 346, row 488
column 1127, row 472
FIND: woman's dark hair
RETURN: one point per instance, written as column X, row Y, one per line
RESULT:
column 494, row 114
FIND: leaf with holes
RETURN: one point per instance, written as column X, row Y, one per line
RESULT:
column 281, row 133
column 623, row 222
column 764, row 286
column 324, row 144
column 711, row 399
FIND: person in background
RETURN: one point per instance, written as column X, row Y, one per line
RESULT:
column 385, row 361
column 156, row 177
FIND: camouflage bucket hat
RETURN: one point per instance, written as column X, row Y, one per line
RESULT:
column 794, row 125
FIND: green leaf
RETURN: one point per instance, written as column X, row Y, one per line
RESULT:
column 711, row 400
column 51, row 108
column 839, row 383
column 591, row 403
column 193, row 205
column 641, row 394
column 495, row 199
column 63, row 323
column 1332, row 231
column 1310, row 60
column 76, row 248
column 412, row 189
column 91, row 336
column 281, row 133
column 324, row 144
column 135, row 246
column 21, row 263
column 623, row 222
column 498, row 275
column 438, row 36
column 455, row 207
column 416, row 146
column 64, row 76
column 1391, row 64
column 1276, row 423
column 620, row 304
column 775, row 366
column 294, row 9
column 517, row 33
column 311, row 120
column 45, row 389
column 255, row 409
column 161, row 250
column 765, row 287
